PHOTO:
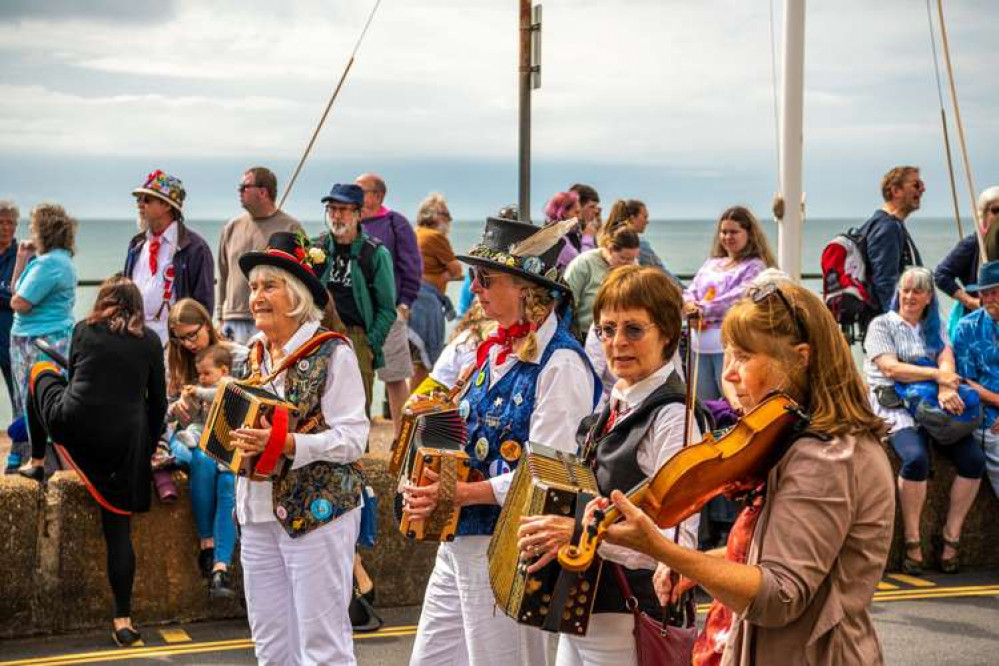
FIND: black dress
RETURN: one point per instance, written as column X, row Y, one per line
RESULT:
column 102, row 415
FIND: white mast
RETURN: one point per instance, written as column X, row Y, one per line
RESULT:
column 789, row 229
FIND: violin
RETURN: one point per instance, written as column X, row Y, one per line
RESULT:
column 735, row 463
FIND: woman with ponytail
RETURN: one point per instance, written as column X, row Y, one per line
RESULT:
column 531, row 382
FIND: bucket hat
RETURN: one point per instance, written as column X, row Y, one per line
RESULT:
column 164, row 187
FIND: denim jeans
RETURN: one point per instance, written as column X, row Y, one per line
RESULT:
column 213, row 498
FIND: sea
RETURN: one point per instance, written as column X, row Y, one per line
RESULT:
column 683, row 246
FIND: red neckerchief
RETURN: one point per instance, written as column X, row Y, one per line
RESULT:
column 504, row 337
column 718, row 626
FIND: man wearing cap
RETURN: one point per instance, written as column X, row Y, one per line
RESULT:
column 977, row 356
column 396, row 234
column 358, row 274
column 246, row 233
column 166, row 260
column 532, row 382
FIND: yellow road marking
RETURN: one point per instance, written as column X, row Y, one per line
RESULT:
column 882, row 585
column 175, row 635
column 912, row 580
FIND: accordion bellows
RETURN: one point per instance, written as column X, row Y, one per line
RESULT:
column 239, row 405
column 547, row 481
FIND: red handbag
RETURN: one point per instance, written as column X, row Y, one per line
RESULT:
column 660, row 643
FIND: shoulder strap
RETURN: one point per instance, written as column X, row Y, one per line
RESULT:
column 310, row 346
column 365, row 258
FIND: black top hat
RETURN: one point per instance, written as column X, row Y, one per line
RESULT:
column 522, row 249
column 291, row 252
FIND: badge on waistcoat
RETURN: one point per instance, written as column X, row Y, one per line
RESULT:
column 303, row 365
column 510, row 450
column 281, row 513
column 498, row 467
column 498, row 402
column 464, row 409
column 517, row 399
column 481, row 449
column 480, row 378
column 321, row 509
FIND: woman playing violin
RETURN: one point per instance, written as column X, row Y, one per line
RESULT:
column 805, row 555
column 637, row 318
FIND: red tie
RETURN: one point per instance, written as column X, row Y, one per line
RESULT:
column 154, row 250
column 610, row 420
column 504, row 337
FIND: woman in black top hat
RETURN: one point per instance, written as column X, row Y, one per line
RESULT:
column 298, row 530
column 106, row 419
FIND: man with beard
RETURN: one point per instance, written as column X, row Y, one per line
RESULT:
column 248, row 232
column 166, row 260
column 890, row 248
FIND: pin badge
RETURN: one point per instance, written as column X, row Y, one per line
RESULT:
column 303, row 365
column 281, row 513
column 321, row 509
column 480, row 378
column 517, row 399
column 498, row 402
column 510, row 450
column 464, row 409
column 481, row 448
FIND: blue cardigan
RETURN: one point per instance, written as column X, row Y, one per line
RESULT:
column 960, row 264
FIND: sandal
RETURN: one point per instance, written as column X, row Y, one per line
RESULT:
column 910, row 565
column 950, row 565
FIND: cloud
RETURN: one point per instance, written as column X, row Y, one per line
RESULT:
column 124, row 11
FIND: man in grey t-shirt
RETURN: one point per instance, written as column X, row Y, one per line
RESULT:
column 248, row 232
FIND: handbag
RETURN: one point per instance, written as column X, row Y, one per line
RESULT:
column 660, row 643
column 921, row 400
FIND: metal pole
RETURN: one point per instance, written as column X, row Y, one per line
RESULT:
column 789, row 231
column 524, row 145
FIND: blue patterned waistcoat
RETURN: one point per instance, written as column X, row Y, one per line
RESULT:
column 500, row 414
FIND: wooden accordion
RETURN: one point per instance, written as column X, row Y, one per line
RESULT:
column 242, row 405
column 547, row 481
column 432, row 437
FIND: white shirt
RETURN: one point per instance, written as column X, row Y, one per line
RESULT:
column 343, row 411
column 152, row 286
column 563, row 397
column 455, row 356
column 660, row 443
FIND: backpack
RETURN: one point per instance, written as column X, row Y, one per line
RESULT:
column 846, row 285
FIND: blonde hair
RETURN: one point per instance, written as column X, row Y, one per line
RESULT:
column 303, row 307
column 430, row 208
column 54, row 228
column 538, row 302
column 828, row 386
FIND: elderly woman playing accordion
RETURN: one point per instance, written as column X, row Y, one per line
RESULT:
column 804, row 557
column 637, row 317
column 298, row 530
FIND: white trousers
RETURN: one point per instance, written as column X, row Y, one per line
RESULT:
column 298, row 590
column 460, row 624
column 609, row 641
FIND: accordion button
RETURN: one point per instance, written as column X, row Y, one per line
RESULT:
column 543, row 610
column 566, row 615
column 545, row 598
column 585, row 586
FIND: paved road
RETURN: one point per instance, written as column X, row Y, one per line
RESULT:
column 928, row 621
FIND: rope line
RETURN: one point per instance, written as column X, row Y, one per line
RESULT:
column 329, row 105
column 943, row 123
column 773, row 88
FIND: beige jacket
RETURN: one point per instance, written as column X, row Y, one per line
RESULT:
column 821, row 544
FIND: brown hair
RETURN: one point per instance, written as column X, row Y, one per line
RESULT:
column 180, row 362
column 265, row 178
column 894, row 178
column 623, row 210
column 219, row 355
column 757, row 246
column 829, row 387
column 586, row 193
column 648, row 289
column 617, row 236
column 54, row 228
column 119, row 305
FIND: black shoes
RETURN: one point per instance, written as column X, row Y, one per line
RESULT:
column 125, row 637
column 219, row 587
column 206, row 560
column 33, row 472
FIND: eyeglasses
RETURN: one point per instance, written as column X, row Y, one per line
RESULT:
column 632, row 332
column 482, row 277
column 763, row 292
column 339, row 211
column 244, row 187
column 189, row 337
column 994, row 210
column 145, row 198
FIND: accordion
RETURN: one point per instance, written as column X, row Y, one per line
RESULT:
column 241, row 405
column 547, row 481
column 432, row 437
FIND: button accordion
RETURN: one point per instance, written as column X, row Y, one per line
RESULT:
column 547, row 481
column 432, row 437
column 243, row 405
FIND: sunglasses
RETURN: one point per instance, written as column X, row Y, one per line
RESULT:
column 632, row 332
column 145, row 198
column 243, row 187
column 482, row 277
column 190, row 337
column 994, row 210
column 762, row 293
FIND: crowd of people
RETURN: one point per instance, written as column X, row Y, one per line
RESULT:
column 570, row 334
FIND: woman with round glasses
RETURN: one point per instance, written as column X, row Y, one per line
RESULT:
column 637, row 316
column 805, row 556
column 213, row 491
column 531, row 382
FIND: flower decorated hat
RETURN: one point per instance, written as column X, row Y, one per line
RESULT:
column 165, row 187
column 522, row 249
column 292, row 252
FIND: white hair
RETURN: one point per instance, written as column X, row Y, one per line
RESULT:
column 430, row 208
column 8, row 207
column 303, row 308
column 987, row 196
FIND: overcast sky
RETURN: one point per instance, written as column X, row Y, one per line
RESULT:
column 667, row 101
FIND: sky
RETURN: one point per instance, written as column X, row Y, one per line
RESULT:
column 671, row 102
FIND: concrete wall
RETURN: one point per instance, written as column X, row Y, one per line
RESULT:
column 52, row 572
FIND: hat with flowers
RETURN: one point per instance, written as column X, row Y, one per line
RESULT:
column 163, row 186
column 292, row 252
column 522, row 249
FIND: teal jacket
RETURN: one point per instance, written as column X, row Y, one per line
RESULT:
column 374, row 289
